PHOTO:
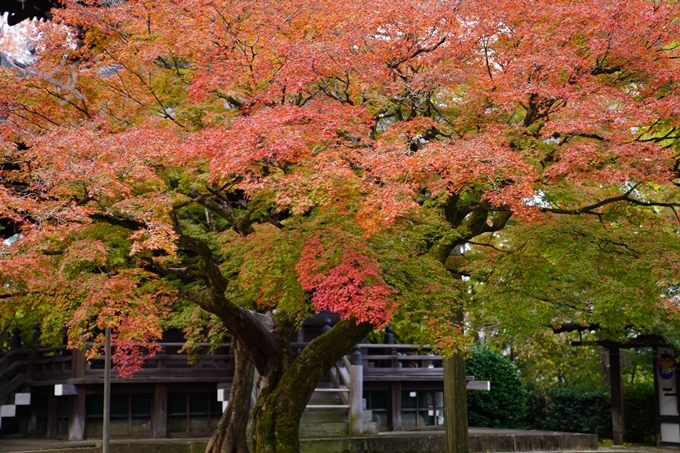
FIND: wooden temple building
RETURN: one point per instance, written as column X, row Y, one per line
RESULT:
column 53, row 392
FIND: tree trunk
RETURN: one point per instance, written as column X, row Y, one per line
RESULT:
column 455, row 399
column 230, row 434
column 455, row 405
column 285, row 390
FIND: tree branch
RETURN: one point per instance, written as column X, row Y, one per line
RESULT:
column 118, row 221
column 251, row 332
column 625, row 197
column 487, row 245
column 243, row 225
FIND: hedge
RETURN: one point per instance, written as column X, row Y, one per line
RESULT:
column 588, row 410
column 567, row 409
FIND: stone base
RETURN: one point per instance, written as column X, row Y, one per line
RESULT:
column 428, row 442
column 481, row 440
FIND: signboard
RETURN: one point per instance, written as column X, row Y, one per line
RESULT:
column 65, row 389
column 666, row 381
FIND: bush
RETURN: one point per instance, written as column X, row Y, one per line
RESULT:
column 639, row 413
column 571, row 409
column 588, row 410
column 504, row 406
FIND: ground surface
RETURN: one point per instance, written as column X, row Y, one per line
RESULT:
column 481, row 440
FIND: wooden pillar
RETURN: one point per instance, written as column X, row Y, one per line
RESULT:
column 76, row 420
column 32, row 425
column 52, row 413
column 618, row 427
column 356, row 376
column 657, row 395
column 78, row 364
column 395, row 406
column 455, row 405
column 159, row 411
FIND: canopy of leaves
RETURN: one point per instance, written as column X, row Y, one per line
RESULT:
column 620, row 276
column 288, row 156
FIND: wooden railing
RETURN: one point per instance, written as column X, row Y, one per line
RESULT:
column 381, row 362
column 399, row 356
column 171, row 365
column 59, row 363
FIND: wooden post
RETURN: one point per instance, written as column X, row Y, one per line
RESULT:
column 618, row 427
column 107, row 393
column 395, row 405
column 455, row 405
column 356, row 390
column 159, row 412
column 78, row 363
column 32, row 425
column 52, row 415
column 657, row 395
column 76, row 421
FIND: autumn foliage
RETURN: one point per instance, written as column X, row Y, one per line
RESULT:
column 279, row 143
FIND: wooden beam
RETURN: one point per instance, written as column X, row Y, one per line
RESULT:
column 641, row 341
column 618, row 427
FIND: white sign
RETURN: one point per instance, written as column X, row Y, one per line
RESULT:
column 65, row 389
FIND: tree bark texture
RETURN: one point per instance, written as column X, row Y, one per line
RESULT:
column 230, row 433
column 455, row 405
column 455, row 400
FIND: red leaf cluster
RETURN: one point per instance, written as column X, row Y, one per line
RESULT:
column 350, row 284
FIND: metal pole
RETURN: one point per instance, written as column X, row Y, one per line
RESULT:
column 107, row 392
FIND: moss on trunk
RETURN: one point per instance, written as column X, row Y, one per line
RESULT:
column 286, row 390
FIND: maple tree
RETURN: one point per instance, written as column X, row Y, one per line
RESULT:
column 267, row 160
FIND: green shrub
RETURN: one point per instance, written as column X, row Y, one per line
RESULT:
column 571, row 409
column 639, row 413
column 502, row 407
column 589, row 410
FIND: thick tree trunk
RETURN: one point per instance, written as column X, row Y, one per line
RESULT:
column 455, row 399
column 230, row 434
column 455, row 405
column 286, row 390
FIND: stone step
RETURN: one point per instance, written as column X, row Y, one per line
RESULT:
column 324, row 416
column 324, row 400
column 325, row 397
column 323, row 429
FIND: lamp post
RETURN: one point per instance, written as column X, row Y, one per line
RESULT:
column 107, row 392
